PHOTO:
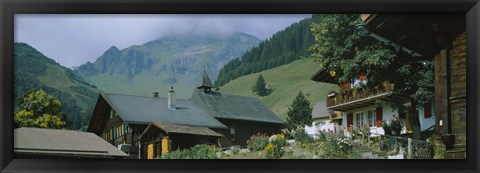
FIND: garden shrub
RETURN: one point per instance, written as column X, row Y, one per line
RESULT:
column 393, row 127
column 202, row 151
column 274, row 150
column 302, row 137
column 337, row 148
column 387, row 144
column 438, row 150
column 235, row 149
column 257, row 142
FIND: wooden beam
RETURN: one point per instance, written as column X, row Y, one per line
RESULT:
column 441, row 93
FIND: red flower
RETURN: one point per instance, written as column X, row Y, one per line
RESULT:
column 362, row 77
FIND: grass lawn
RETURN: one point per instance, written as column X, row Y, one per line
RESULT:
column 286, row 81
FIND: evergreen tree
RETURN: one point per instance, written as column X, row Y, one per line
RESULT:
column 259, row 86
column 299, row 113
column 282, row 48
column 39, row 109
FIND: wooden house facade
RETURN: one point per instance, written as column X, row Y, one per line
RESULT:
column 441, row 38
column 160, row 137
column 143, row 122
column 359, row 107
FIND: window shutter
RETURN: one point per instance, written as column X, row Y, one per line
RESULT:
column 111, row 134
column 114, row 133
column 349, row 121
column 427, row 109
column 123, row 129
column 379, row 116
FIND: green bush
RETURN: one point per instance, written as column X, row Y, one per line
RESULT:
column 388, row 144
column 257, row 142
column 235, row 149
column 202, row 151
column 439, row 150
column 337, row 148
column 274, row 150
column 302, row 137
column 393, row 127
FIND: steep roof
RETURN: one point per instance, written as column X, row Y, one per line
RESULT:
column 320, row 110
column 143, row 110
column 229, row 106
column 62, row 142
column 181, row 129
column 205, row 81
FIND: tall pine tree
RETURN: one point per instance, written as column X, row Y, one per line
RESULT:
column 259, row 87
column 299, row 113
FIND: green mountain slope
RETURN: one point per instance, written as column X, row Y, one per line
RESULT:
column 283, row 47
column 172, row 61
column 34, row 71
column 286, row 80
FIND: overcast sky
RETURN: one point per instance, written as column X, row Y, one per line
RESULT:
column 72, row 40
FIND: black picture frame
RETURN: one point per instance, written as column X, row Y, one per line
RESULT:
column 8, row 8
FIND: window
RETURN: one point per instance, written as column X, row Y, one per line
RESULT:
column 203, row 140
column 112, row 112
column 372, row 117
column 123, row 129
column 232, row 133
column 427, row 109
column 119, row 133
column 113, row 133
column 360, row 119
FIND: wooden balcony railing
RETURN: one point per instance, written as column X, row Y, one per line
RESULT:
column 349, row 95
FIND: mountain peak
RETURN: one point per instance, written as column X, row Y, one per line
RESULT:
column 112, row 51
column 113, row 48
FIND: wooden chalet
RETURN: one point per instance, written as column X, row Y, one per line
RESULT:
column 35, row 143
column 441, row 38
column 163, row 137
column 207, row 117
column 243, row 115
column 359, row 108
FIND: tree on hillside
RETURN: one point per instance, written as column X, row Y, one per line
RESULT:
column 260, row 86
column 299, row 113
column 282, row 48
column 39, row 109
column 347, row 53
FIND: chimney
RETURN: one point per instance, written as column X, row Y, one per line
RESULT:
column 171, row 99
column 155, row 94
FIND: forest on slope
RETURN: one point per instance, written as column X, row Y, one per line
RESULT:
column 34, row 71
column 283, row 47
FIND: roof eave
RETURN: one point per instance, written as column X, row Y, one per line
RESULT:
column 323, row 76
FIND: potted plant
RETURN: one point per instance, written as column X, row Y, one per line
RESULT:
column 392, row 127
column 396, row 126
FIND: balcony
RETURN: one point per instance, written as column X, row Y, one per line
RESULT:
column 350, row 99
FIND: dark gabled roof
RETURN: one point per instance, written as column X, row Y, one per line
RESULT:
column 320, row 110
column 205, row 81
column 229, row 106
column 62, row 142
column 323, row 76
column 143, row 110
column 169, row 128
